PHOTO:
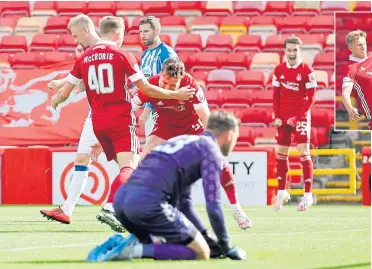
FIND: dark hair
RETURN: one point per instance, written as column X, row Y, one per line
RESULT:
column 174, row 68
column 153, row 21
column 222, row 121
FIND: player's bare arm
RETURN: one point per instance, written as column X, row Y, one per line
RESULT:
column 346, row 99
column 56, row 84
column 184, row 93
column 203, row 114
column 144, row 116
column 63, row 94
column 276, row 101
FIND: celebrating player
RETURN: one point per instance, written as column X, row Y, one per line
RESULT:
column 147, row 204
column 184, row 117
column 294, row 87
column 83, row 31
column 152, row 61
column 356, row 41
column 104, row 69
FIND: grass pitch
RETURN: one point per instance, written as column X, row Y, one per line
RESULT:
column 324, row 237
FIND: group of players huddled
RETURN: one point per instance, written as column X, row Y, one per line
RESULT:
column 151, row 196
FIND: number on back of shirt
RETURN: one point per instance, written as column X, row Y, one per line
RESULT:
column 175, row 144
column 96, row 78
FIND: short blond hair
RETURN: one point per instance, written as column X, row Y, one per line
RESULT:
column 293, row 40
column 111, row 24
column 354, row 35
column 81, row 20
column 153, row 21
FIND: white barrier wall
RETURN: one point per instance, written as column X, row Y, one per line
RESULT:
column 249, row 169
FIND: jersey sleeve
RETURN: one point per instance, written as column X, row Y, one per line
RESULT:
column 198, row 100
column 74, row 76
column 275, row 81
column 348, row 78
column 310, row 78
column 211, row 169
column 131, row 67
column 276, row 92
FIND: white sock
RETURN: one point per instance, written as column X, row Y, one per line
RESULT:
column 308, row 194
column 235, row 207
column 109, row 207
column 280, row 192
column 137, row 251
column 75, row 189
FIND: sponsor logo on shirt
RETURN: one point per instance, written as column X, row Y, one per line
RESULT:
column 291, row 86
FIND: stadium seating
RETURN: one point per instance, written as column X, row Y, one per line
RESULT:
column 230, row 47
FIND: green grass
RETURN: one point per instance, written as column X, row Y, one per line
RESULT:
column 323, row 237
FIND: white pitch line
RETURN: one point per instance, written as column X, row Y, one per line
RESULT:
column 234, row 235
column 300, row 233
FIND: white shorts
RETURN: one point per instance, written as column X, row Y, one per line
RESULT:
column 87, row 138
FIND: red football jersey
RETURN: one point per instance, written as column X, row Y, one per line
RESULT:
column 360, row 77
column 348, row 73
column 293, row 83
column 105, row 69
column 175, row 113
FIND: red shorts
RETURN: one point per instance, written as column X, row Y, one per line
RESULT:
column 166, row 132
column 116, row 136
column 300, row 134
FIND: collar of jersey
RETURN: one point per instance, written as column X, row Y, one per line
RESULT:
column 209, row 134
column 356, row 59
column 295, row 66
column 106, row 42
column 157, row 46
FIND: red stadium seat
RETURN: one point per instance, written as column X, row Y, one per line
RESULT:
column 25, row 60
column 101, row 8
column 236, row 99
column 186, row 58
column 257, row 116
column 71, row 8
column 218, row 8
column 157, row 8
column 44, row 42
column 325, row 98
column 221, row 78
column 134, row 25
column 292, row 24
column 250, row 79
column 306, row 8
column 261, row 98
column 7, row 26
column 324, row 61
column 188, row 8
column 166, row 39
column 249, row 8
column 201, row 77
column 4, row 60
column 205, row 61
column 15, row 8
column 189, row 42
column 329, row 7
column 248, row 43
column 219, row 43
column 205, row 26
column 173, row 25
column 362, row 6
column 66, row 43
column 236, row 60
column 54, row 57
column 132, row 43
column 214, row 98
column 275, row 43
column 278, row 8
column 13, row 44
column 129, row 9
column 44, row 8
column 57, row 25
column 263, row 25
column 245, row 136
column 323, row 24
column 264, row 135
column 321, row 117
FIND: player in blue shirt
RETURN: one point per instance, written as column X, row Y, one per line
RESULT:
column 152, row 60
column 156, row 201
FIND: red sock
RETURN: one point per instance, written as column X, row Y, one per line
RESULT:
column 121, row 178
column 307, row 170
column 228, row 184
column 282, row 165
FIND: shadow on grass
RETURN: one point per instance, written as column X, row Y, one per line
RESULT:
column 354, row 265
